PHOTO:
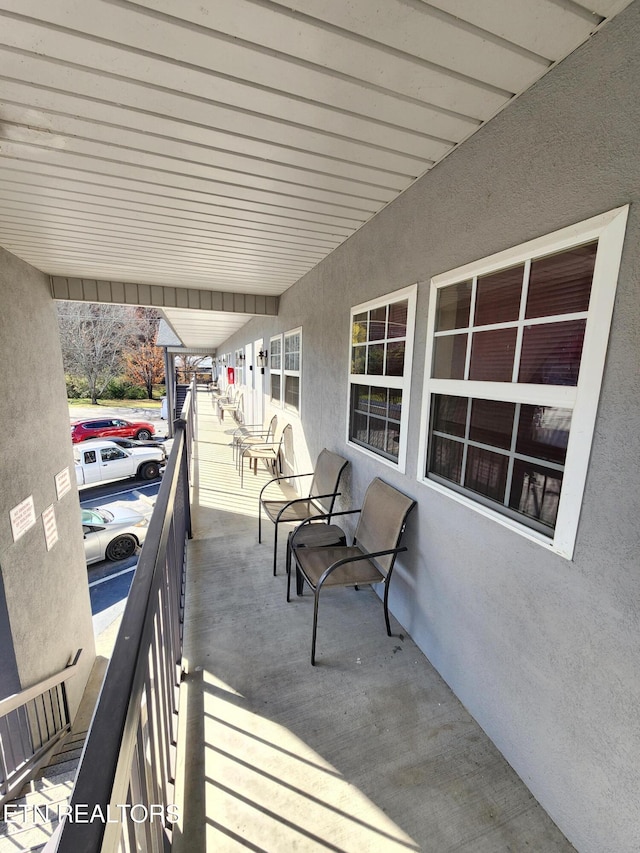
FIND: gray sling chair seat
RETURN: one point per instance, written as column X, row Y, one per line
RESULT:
column 320, row 499
column 269, row 452
column 369, row 560
column 247, row 434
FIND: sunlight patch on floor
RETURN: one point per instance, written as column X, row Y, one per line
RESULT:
column 266, row 789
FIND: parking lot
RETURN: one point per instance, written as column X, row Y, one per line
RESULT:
column 110, row 580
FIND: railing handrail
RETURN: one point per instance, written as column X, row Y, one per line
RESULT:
column 17, row 700
column 106, row 760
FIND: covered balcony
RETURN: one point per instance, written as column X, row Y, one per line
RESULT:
column 368, row 750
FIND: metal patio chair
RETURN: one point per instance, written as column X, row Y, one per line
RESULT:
column 267, row 451
column 369, row 560
column 233, row 405
column 247, row 434
column 320, row 499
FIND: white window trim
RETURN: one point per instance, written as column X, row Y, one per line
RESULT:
column 286, row 372
column 402, row 383
column 609, row 229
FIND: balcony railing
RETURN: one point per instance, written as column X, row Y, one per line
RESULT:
column 124, row 788
column 32, row 724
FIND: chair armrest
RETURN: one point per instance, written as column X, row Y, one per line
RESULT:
column 299, row 500
column 358, row 557
column 277, row 479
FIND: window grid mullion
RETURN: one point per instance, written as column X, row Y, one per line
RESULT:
column 520, row 329
column 512, row 450
column 467, row 430
column 472, row 315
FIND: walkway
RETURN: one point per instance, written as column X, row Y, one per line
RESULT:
column 368, row 751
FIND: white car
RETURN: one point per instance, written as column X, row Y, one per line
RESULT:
column 113, row 532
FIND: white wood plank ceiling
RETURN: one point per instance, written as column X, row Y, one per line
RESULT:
column 232, row 144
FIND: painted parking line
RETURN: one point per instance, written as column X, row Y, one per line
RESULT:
column 111, row 577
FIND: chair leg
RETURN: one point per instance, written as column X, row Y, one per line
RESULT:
column 275, row 549
column 315, row 626
column 259, row 518
column 288, row 565
column 386, row 607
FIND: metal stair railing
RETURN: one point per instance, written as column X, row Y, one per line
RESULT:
column 32, row 724
column 123, row 794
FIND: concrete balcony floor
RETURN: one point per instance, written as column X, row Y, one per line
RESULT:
column 368, row 751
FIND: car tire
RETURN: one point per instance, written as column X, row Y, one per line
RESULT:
column 149, row 471
column 121, row 548
column 143, row 435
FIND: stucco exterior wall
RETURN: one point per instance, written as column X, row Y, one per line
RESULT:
column 46, row 592
column 543, row 651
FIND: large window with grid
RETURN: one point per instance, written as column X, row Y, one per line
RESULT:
column 275, row 369
column 380, row 375
column 291, row 369
column 516, row 349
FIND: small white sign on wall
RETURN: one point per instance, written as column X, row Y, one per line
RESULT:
column 63, row 483
column 50, row 527
column 23, row 517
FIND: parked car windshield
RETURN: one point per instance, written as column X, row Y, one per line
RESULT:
column 96, row 516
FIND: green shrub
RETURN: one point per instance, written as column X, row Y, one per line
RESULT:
column 119, row 389
column 77, row 387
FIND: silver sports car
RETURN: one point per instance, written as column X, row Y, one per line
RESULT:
column 113, row 532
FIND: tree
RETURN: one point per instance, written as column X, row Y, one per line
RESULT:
column 188, row 365
column 94, row 338
column 143, row 360
column 144, row 365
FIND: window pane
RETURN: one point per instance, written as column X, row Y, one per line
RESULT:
column 397, row 323
column 452, row 311
column 492, row 355
column 393, row 439
column 377, row 433
column 561, row 284
column 292, row 391
column 375, row 362
column 445, row 458
column 486, row 473
column 360, row 396
column 535, row 491
column 498, row 297
column 395, row 404
column 551, row 353
column 358, row 359
column 369, row 423
column 378, row 402
column 449, row 354
column 359, row 329
column 492, row 422
column 275, row 386
column 543, row 432
column 377, row 323
column 449, row 414
column 395, row 358
column 358, row 427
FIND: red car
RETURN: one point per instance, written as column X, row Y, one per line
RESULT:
column 106, row 427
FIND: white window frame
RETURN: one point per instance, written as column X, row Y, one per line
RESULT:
column 609, row 229
column 402, row 383
column 276, row 371
column 288, row 372
column 239, row 367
